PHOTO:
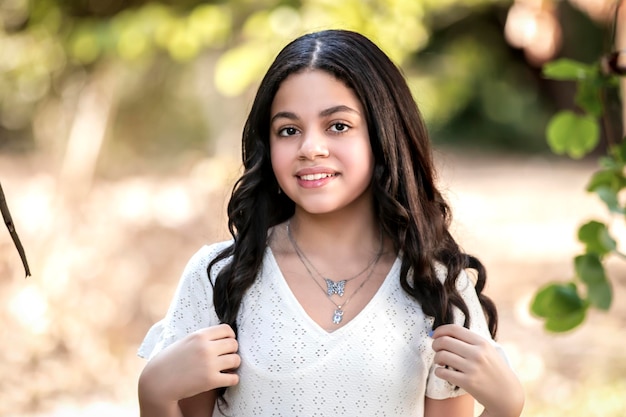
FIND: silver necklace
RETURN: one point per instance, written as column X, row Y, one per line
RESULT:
column 338, row 313
column 332, row 287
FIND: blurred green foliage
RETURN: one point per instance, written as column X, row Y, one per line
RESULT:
column 561, row 305
column 486, row 94
column 473, row 88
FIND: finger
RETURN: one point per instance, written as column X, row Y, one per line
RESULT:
column 452, row 375
column 226, row 379
column 445, row 358
column 225, row 346
column 220, row 331
column 458, row 332
column 228, row 363
column 451, row 344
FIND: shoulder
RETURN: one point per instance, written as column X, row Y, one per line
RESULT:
column 210, row 251
column 199, row 261
column 207, row 253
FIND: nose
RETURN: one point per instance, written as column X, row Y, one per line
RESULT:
column 314, row 145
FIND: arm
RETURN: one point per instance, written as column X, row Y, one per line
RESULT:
column 461, row 406
column 200, row 405
column 177, row 382
column 474, row 364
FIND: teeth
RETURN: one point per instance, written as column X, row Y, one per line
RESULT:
column 313, row 177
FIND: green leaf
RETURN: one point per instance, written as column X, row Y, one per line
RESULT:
column 595, row 235
column 588, row 96
column 572, row 134
column 589, row 269
column 565, row 323
column 560, row 305
column 607, row 184
column 556, row 299
column 600, row 295
column 612, row 178
column 620, row 152
column 609, row 163
column 567, row 69
column 609, row 196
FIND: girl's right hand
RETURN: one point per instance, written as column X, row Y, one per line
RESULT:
column 202, row 361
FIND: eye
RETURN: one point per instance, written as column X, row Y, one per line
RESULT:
column 287, row 131
column 339, row 127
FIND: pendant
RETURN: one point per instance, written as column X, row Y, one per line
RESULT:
column 333, row 287
column 338, row 316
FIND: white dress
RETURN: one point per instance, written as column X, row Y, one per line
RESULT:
column 378, row 364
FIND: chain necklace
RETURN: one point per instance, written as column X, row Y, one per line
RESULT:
column 332, row 287
column 338, row 313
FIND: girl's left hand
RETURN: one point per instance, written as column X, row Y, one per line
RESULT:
column 473, row 363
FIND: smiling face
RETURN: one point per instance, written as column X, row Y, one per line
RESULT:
column 319, row 142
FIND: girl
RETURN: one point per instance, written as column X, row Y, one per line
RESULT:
column 340, row 267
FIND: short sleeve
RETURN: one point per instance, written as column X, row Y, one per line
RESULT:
column 437, row 388
column 191, row 308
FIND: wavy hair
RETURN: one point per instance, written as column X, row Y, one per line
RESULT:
column 408, row 205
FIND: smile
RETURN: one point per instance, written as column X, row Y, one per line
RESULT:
column 315, row 177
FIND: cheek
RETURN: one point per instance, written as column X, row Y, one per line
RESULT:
column 363, row 158
column 369, row 170
column 280, row 161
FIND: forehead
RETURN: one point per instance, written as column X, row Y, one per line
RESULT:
column 313, row 90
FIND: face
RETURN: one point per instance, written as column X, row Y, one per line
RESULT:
column 319, row 142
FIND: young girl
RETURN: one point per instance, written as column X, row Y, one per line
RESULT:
column 342, row 291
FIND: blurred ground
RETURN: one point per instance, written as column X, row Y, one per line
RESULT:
column 105, row 265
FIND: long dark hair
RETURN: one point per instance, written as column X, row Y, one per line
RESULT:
column 407, row 203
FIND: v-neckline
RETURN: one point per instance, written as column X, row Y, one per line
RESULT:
column 291, row 297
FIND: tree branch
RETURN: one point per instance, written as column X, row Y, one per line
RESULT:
column 6, row 215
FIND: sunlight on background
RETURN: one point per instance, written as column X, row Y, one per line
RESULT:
column 532, row 25
column 29, row 308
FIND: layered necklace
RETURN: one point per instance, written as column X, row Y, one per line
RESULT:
column 335, row 287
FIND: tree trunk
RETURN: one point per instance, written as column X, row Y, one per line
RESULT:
column 620, row 45
column 94, row 109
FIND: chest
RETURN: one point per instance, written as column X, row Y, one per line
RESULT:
column 278, row 333
column 289, row 362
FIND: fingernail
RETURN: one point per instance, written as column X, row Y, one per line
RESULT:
column 431, row 333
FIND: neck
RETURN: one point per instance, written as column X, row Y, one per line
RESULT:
column 336, row 236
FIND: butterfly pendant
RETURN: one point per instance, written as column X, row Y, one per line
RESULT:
column 333, row 287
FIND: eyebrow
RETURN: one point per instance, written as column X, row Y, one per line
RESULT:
column 324, row 113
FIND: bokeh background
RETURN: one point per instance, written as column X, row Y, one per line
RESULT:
column 119, row 143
